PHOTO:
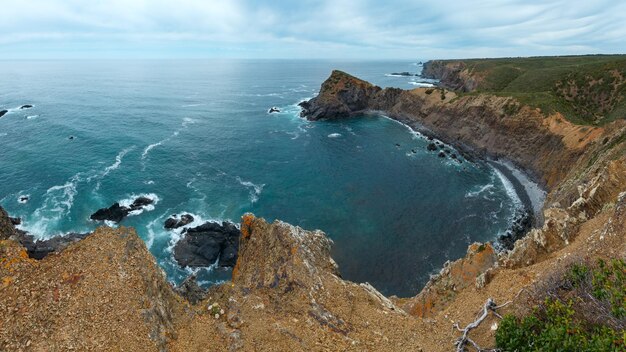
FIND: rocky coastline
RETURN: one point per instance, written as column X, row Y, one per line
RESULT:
column 286, row 292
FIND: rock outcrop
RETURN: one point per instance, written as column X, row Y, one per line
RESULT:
column 3, row 112
column 451, row 75
column 176, row 221
column 117, row 212
column 208, row 244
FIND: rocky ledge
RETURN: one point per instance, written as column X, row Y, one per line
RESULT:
column 208, row 244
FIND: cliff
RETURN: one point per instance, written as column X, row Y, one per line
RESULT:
column 106, row 292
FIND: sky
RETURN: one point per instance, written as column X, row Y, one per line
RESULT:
column 322, row 29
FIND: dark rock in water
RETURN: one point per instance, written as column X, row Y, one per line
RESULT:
column 522, row 223
column 397, row 144
column 35, row 249
column 442, row 154
column 447, row 151
column 402, row 74
column 140, row 203
column 174, row 222
column 453, row 156
column 442, row 146
column 273, row 109
column 2, row 112
column 70, row 137
column 430, row 138
column 431, row 147
column 40, row 249
column 414, row 151
column 117, row 213
column 191, row 291
column 23, row 199
column 202, row 246
column 27, row 106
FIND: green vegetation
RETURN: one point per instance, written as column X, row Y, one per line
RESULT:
column 583, row 311
column 585, row 89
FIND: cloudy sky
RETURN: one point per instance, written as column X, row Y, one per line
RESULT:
column 363, row 29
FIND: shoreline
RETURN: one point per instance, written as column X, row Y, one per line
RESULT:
column 530, row 193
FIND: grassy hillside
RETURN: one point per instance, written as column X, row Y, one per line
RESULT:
column 586, row 89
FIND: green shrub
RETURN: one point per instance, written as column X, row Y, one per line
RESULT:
column 556, row 329
column 585, row 311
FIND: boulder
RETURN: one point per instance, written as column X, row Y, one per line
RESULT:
column 117, row 212
column 273, row 110
column 2, row 112
column 207, row 244
column 431, row 147
column 27, row 106
column 175, row 222
column 442, row 154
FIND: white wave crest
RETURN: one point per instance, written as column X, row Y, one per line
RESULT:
column 472, row 194
column 334, row 135
column 255, row 190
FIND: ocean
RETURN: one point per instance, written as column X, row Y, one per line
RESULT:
column 196, row 135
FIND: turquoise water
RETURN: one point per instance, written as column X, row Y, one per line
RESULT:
column 197, row 135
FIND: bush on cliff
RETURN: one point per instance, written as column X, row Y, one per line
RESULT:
column 584, row 311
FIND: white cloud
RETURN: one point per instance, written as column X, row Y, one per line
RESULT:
column 326, row 28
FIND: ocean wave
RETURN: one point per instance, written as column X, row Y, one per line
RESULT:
column 118, row 161
column 334, row 135
column 57, row 203
column 192, row 105
column 509, row 188
column 185, row 123
column 421, row 84
column 31, row 117
column 485, row 188
column 255, row 190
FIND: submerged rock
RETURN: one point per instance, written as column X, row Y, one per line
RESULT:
column 117, row 212
column 431, row 147
column 207, row 244
column 175, row 222
column 273, row 110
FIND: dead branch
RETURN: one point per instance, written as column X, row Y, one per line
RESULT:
column 461, row 342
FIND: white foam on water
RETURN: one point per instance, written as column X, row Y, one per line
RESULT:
column 421, row 84
column 192, row 105
column 23, row 201
column 484, row 188
column 127, row 202
column 334, row 135
column 3, row 134
column 255, row 190
column 30, row 117
column 57, row 203
column 508, row 187
column 185, row 123
column 149, row 182
column 117, row 163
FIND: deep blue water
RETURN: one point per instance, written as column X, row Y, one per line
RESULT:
column 198, row 136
